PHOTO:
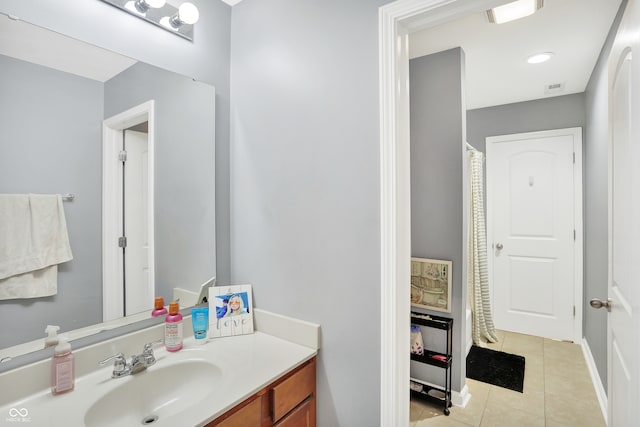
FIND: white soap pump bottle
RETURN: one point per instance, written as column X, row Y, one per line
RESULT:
column 52, row 336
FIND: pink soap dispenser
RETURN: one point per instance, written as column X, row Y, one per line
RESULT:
column 173, row 328
column 62, row 368
column 158, row 307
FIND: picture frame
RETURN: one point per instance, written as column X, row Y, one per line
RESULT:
column 431, row 284
column 230, row 311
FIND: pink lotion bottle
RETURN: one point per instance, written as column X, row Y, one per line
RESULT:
column 62, row 368
column 173, row 328
column 158, row 307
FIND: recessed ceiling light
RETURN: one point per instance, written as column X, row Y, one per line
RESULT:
column 514, row 10
column 539, row 57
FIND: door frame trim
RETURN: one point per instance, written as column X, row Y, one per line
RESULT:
column 112, row 268
column 578, row 285
column 395, row 21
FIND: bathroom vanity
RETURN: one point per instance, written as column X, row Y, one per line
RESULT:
column 263, row 379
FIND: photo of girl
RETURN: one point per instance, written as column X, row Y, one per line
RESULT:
column 236, row 306
column 233, row 304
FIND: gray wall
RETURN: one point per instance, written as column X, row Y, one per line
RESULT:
column 542, row 114
column 596, row 204
column 50, row 142
column 305, row 184
column 206, row 59
column 184, row 176
column 437, row 190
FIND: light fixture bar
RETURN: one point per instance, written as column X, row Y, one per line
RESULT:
column 514, row 10
column 155, row 15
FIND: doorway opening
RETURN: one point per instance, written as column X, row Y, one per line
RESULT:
column 128, row 212
column 397, row 21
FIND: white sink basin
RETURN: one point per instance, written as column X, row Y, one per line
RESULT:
column 154, row 394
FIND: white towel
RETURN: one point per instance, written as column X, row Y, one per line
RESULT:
column 34, row 284
column 33, row 238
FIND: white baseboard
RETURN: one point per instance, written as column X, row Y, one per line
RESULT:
column 601, row 393
column 461, row 398
column 458, row 398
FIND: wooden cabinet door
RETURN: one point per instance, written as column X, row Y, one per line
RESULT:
column 303, row 416
column 289, row 393
column 249, row 415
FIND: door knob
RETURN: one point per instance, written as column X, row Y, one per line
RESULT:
column 597, row 303
column 499, row 246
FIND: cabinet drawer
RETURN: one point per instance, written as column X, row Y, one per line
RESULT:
column 249, row 415
column 293, row 390
column 302, row 416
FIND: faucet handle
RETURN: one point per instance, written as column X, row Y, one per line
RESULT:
column 119, row 357
column 120, row 367
column 147, row 352
column 148, row 347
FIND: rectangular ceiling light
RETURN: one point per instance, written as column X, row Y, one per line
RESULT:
column 514, row 10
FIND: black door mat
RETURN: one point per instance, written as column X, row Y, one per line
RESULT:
column 496, row 367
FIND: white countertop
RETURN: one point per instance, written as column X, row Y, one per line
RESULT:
column 248, row 363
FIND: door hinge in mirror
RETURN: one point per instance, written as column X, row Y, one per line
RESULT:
column 122, row 156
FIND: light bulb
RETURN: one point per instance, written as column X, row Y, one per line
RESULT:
column 156, row 4
column 131, row 5
column 141, row 7
column 539, row 57
column 188, row 13
column 166, row 22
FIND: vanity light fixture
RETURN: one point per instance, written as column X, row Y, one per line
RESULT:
column 539, row 58
column 178, row 21
column 514, row 10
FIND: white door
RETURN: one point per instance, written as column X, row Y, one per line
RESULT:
column 138, row 290
column 531, row 203
column 114, row 224
column 624, row 230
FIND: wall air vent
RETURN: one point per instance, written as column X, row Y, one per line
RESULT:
column 554, row 89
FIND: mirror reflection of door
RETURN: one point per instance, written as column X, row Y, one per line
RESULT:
column 136, row 287
column 128, row 212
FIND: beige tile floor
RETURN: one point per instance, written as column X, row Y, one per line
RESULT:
column 558, row 392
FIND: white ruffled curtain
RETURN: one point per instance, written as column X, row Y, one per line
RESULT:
column 483, row 329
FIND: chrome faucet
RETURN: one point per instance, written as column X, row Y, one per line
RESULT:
column 139, row 362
